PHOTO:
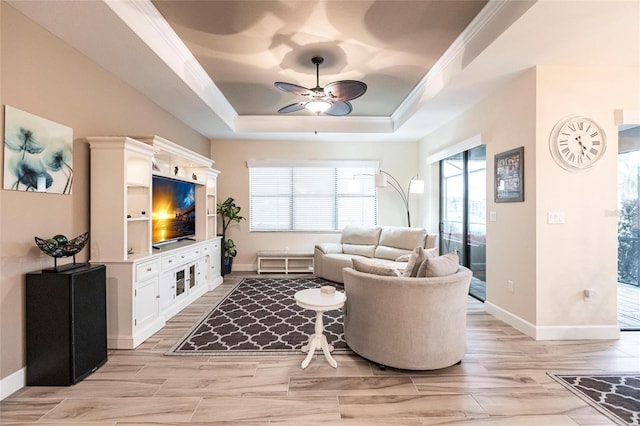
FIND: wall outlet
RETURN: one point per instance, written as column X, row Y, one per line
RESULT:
column 510, row 286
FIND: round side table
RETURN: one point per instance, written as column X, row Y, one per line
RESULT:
column 320, row 302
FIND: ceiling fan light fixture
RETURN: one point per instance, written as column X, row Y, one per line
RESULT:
column 331, row 100
column 318, row 106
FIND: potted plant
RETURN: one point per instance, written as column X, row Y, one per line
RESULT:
column 229, row 212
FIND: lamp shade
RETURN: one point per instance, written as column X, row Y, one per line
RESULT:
column 381, row 180
column 317, row 106
column 416, row 186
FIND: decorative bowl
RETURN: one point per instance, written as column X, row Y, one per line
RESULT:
column 71, row 248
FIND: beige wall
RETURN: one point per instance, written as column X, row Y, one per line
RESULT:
column 550, row 265
column 582, row 253
column 504, row 121
column 231, row 157
column 44, row 76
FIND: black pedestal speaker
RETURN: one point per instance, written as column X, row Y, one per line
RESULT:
column 66, row 325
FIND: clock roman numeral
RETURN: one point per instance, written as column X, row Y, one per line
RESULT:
column 564, row 142
column 565, row 152
column 595, row 143
column 580, row 125
column 593, row 151
column 579, row 159
column 572, row 127
column 594, row 134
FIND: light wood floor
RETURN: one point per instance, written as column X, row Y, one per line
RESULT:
column 501, row 381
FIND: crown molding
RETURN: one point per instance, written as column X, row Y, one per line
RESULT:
column 142, row 17
column 310, row 124
column 476, row 37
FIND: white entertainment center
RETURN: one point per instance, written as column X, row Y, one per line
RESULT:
column 147, row 285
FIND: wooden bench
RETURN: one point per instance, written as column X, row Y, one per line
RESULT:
column 285, row 261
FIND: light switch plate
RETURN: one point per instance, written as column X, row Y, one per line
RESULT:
column 493, row 216
column 555, row 217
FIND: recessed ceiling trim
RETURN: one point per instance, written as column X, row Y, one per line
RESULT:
column 481, row 30
column 144, row 19
column 310, row 124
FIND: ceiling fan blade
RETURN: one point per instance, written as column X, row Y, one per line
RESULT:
column 291, row 108
column 339, row 108
column 345, row 90
column 293, row 88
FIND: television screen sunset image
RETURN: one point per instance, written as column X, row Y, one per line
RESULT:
column 173, row 211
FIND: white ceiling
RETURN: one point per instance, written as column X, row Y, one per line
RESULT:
column 213, row 63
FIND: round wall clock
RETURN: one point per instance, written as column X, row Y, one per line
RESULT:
column 577, row 143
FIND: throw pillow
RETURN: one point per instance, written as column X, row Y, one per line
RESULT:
column 432, row 252
column 440, row 266
column 375, row 268
column 403, row 258
column 415, row 260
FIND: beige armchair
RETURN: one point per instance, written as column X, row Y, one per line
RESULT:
column 407, row 323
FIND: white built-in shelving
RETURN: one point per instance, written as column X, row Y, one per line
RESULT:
column 147, row 285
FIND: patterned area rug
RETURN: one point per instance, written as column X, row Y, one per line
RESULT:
column 616, row 395
column 258, row 317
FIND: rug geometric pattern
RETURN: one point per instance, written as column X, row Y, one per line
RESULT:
column 617, row 395
column 260, row 316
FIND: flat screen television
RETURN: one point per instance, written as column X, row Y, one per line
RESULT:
column 173, row 215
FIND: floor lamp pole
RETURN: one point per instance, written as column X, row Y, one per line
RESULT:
column 404, row 196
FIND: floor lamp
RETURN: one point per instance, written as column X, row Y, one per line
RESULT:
column 416, row 186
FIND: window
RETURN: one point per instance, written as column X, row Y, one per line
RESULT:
column 313, row 196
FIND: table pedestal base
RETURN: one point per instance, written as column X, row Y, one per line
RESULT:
column 318, row 341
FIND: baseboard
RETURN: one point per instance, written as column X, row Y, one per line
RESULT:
column 559, row 332
column 514, row 321
column 13, row 383
column 245, row 267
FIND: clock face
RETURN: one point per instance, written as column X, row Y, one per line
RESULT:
column 577, row 143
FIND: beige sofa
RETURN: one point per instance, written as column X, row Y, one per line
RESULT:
column 407, row 323
column 383, row 244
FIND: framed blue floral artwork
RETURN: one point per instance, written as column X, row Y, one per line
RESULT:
column 38, row 153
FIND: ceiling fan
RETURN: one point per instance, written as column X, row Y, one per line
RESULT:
column 333, row 99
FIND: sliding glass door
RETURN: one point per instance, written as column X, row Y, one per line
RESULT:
column 463, row 206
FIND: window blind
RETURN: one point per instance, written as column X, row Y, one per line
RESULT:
column 311, row 198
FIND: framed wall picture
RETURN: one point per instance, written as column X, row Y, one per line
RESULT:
column 38, row 153
column 508, row 176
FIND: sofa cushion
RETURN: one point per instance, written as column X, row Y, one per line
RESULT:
column 363, row 235
column 373, row 267
column 440, row 266
column 396, row 241
column 359, row 249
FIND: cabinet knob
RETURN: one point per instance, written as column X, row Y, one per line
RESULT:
column 149, row 269
column 157, row 296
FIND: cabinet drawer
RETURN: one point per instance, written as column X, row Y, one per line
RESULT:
column 168, row 262
column 189, row 254
column 147, row 269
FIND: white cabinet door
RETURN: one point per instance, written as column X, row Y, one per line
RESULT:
column 146, row 302
column 167, row 289
column 214, row 261
column 200, row 272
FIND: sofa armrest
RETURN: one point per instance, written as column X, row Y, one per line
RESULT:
column 327, row 248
